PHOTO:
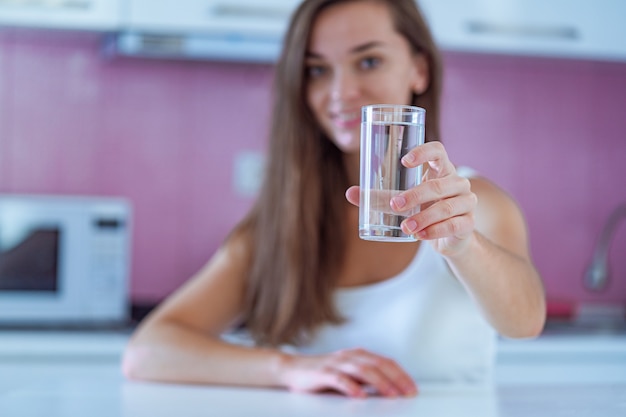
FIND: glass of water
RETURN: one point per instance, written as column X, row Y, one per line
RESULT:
column 388, row 132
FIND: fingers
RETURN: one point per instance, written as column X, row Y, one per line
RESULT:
column 433, row 154
column 353, row 195
column 451, row 217
column 444, row 201
column 382, row 374
column 343, row 384
column 439, row 182
column 456, row 227
column 447, row 208
column 352, row 372
column 430, row 191
column 379, row 200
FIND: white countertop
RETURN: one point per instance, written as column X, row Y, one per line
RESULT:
column 77, row 374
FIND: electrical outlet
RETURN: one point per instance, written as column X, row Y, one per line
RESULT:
column 248, row 172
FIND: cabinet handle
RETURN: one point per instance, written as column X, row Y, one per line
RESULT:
column 226, row 9
column 48, row 4
column 566, row 33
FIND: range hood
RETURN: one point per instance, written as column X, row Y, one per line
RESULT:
column 230, row 46
column 231, row 30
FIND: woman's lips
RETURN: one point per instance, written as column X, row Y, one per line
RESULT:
column 347, row 120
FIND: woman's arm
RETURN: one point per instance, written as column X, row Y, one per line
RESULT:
column 180, row 342
column 481, row 233
column 496, row 267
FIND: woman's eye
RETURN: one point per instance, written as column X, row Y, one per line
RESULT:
column 369, row 63
column 315, row 71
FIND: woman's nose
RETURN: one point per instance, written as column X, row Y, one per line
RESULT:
column 344, row 86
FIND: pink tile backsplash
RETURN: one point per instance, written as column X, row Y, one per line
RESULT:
column 165, row 134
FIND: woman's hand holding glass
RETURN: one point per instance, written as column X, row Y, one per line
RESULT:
column 447, row 202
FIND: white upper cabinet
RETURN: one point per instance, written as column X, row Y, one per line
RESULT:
column 268, row 17
column 252, row 30
column 91, row 15
column 558, row 28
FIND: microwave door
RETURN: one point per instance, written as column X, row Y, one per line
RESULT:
column 29, row 258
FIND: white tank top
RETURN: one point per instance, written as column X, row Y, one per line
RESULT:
column 422, row 318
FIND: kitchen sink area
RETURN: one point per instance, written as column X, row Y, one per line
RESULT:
column 577, row 328
column 588, row 319
column 587, row 349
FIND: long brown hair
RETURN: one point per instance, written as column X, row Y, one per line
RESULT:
column 294, row 229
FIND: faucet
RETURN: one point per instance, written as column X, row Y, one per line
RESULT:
column 597, row 273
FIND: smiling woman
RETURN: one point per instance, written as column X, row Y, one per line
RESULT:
column 323, row 309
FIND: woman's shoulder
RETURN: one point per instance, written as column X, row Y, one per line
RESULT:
column 239, row 243
column 483, row 187
column 497, row 213
column 489, row 194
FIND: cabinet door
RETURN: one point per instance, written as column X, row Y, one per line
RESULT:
column 93, row 15
column 565, row 28
column 185, row 16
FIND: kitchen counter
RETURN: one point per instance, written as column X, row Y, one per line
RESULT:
column 77, row 374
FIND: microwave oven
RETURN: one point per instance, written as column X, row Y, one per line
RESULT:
column 64, row 260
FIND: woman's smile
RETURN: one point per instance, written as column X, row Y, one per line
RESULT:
column 346, row 120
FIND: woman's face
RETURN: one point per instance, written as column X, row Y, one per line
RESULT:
column 355, row 58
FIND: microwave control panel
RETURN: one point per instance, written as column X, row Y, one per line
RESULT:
column 109, row 262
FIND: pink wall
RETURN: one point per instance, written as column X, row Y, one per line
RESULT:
column 165, row 134
column 552, row 133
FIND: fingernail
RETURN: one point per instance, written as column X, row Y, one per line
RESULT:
column 410, row 225
column 392, row 393
column 398, row 201
column 409, row 157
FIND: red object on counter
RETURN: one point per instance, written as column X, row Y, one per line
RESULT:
column 560, row 309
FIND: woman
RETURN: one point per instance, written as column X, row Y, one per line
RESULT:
column 326, row 310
